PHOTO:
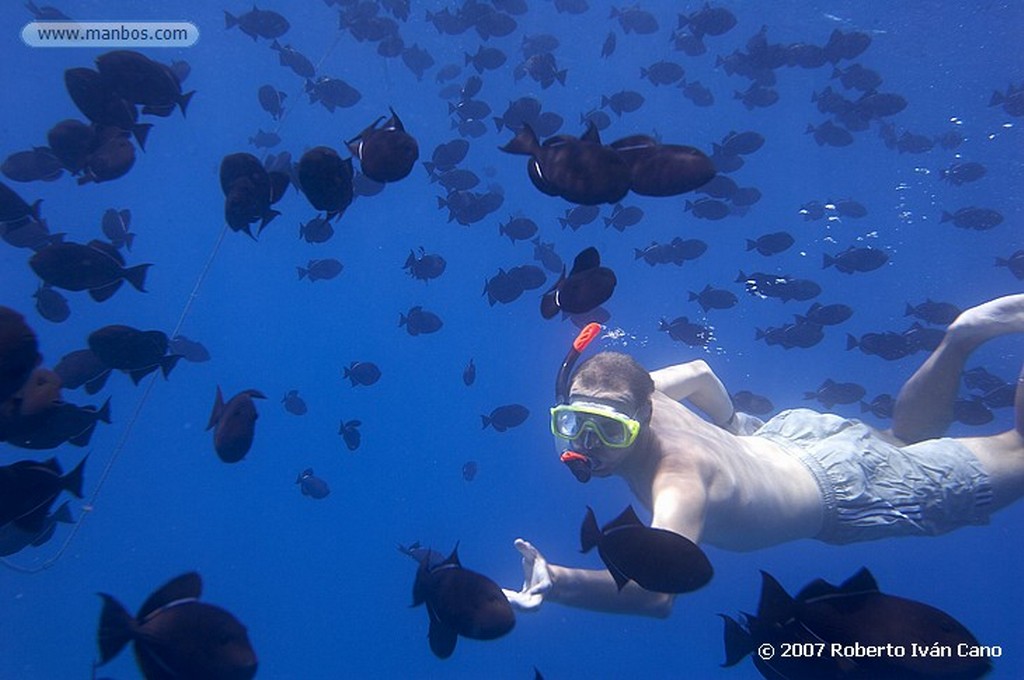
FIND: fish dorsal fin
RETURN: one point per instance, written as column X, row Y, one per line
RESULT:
column 588, row 258
column 453, row 559
column 188, row 586
column 218, row 409
column 776, row 606
column 627, row 518
column 860, row 583
column 591, row 134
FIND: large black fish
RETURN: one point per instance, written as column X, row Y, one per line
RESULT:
column 459, row 602
column 96, row 267
column 587, row 286
column 663, row 169
column 387, row 153
column 235, row 424
column 49, row 427
column 249, row 191
column 19, row 352
column 655, row 559
column 96, row 97
column 140, row 80
column 326, row 180
column 14, row 539
column 177, row 636
column 28, row 489
column 849, row 616
column 579, row 170
column 137, row 353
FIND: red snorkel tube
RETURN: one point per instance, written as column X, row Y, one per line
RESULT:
column 578, row 463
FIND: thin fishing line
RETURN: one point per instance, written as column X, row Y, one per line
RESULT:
column 90, row 504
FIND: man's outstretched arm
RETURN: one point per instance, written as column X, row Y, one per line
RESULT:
column 698, row 384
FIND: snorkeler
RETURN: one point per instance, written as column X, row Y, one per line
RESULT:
column 739, row 484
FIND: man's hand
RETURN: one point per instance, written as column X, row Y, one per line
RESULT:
column 536, row 579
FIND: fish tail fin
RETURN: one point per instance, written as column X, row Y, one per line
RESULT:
column 117, row 628
column 302, row 272
column 738, row 642
column 946, row 217
column 72, row 481
column 230, row 20
column 168, row 363
column 486, row 422
column 218, row 408
column 864, row 406
column 137, row 276
column 590, row 533
column 851, row 341
column 104, row 412
column 827, row 261
column 524, row 143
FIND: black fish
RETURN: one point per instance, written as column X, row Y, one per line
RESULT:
column 459, row 602
column 707, row 208
column 294, row 404
column 57, row 424
column 889, row 346
column 29, row 488
column 469, row 470
column 96, row 97
column 320, row 270
column 332, row 93
column 1015, row 263
column 19, row 352
column 349, row 431
column 961, row 173
column 425, row 267
column 82, row 367
column 755, row 404
column 518, row 229
column 140, row 80
column 505, row 417
column 830, row 134
column 972, row 411
column 326, row 180
column 261, row 23
column 714, row 298
column 979, row 219
column 856, row 259
column 293, row 59
column 386, row 154
column 655, row 559
column 579, row 216
column 362, row 373
column 115, row 225
column 579, row 170
column 51, row 305
column 854, row 613
column 469, row 373
column 587, row 286
column 418, row 321
column 827, row 315
column 272, row 100
column 771, row 244
column 831, row 393
column 311, row 485
column 14, row 539
column 137, row 353
column 14, row 209
column 39, row 164
column 235, row 424
column 97, row 267
column 682, row 330
column 177, row 636
column 249, row 191
column 881, row 406
column 546, row 255
column 938, row 313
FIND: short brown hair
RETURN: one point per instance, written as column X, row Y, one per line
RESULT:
column 615, row 371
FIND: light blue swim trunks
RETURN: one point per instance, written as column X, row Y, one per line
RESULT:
column 874, row 489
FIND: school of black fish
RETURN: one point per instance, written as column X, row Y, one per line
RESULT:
column 121, row 92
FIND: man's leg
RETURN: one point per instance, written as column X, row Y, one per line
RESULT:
column 924, row 407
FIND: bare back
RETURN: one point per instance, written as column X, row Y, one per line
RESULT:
column 734, row 492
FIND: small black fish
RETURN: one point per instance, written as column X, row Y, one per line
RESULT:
column 707, row 208
column 505, row 417
column 655, row 559
column 349, row 431
column 469, row 373
column 827, row 315
column 831, row 393
column 714, row 298
column 978, row 219
column 469, row 470
column 518, row 229
column 362, row 373
column 854, row 259
column 938, row 313
column 459, row 602
column 51, row 305
column 752, row 403
column 178, row 636
column 771, row 244
column 189, row 350
column 29, row 488
column 961, row 173
column 234, row 424
column 587, row 286
column 320, row 270
column 1015, row 263
column 880, row 407
column 425, row 267
column 137, row 353
column 682, row 330
column 294, row 404
column 293, row 59
column 311, row 485
column 418, row 321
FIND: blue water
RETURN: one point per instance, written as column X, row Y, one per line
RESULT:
column 319, row 584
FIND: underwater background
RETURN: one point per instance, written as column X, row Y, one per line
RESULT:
column 319, row 583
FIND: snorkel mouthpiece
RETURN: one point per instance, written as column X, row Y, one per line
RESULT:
column 579, row 465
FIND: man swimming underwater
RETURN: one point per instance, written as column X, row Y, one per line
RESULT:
column 740, row 484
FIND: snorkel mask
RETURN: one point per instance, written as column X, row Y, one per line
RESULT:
column 579, row 464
